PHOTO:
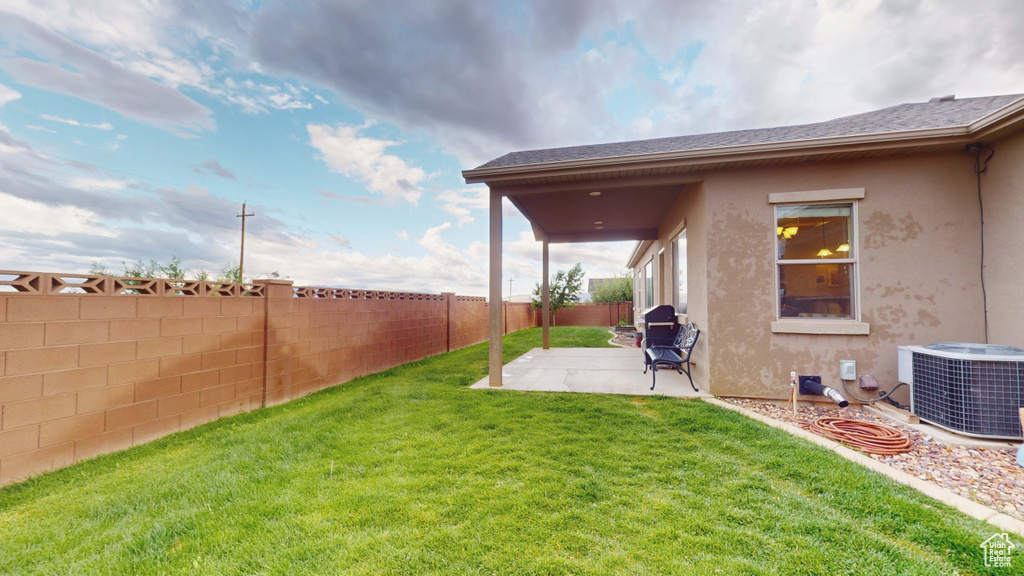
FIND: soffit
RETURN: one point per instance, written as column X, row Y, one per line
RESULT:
column 597, row 213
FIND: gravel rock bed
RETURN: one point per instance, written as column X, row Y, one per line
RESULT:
column 622, row 340
column 987, row 476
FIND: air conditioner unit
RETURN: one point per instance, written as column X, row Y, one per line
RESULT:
column 973, row 389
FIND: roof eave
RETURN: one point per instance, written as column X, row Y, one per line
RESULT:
column 999, row 120
column 638, row 250
column 726, row 153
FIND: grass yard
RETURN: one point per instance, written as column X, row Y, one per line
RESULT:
column 409, row 472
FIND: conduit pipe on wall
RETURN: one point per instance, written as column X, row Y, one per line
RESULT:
column 981, row 167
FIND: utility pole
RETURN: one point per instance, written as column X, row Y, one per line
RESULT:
column 509, row 288
column 241, row 257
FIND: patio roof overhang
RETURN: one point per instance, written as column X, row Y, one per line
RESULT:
column 626, row 209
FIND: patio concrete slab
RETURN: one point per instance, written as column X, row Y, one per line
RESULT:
column 589, row 370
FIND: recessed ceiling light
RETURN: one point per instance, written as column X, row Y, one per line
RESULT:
column 595, row 193
column 599, row 227
column 599, row 222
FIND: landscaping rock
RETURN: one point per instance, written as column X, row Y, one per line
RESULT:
column 988, row 476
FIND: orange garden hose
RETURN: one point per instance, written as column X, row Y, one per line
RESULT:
column 865, row 436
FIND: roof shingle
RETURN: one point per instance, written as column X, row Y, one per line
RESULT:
column 901, row 118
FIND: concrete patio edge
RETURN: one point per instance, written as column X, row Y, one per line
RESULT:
column 969, row 507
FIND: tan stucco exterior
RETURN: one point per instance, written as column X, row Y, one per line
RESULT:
column 918, row 267
column 1003, row 194
column 914, row 209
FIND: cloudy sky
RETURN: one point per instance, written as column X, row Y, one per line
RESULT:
column 135, row 130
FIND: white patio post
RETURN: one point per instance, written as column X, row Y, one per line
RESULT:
column 494, row 366
column 545, row 300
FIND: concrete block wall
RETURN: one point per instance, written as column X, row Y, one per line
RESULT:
column 469, row 321
column 87, row 375
column 519, row 316
column 314, row 342
column 91, row 365
column 594, row 314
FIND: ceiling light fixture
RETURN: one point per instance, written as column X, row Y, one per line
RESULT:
column 787, row 232
column 824, row 252
column 845, row 246
column 595, row 193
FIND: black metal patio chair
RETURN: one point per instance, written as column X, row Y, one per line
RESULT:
column 676, row 355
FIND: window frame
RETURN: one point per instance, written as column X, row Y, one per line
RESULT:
column 676, row 269
column 802, row 325
column 649, row 286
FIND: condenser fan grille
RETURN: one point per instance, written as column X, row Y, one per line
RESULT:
column 977, row 397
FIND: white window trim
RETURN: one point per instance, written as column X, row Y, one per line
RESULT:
column 649, row 282
column 675, row 271
column 810, row 196
column 852, row 326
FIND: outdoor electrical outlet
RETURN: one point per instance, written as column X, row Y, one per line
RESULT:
column 847, row 370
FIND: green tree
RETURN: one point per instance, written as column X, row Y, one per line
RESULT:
column 173, row 270
column 230, row 273
column 98, row 269
column 140, row 269
column 618, row 289
column 564, row 290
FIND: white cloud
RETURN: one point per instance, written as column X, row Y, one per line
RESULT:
column 443, row 268
column 87, row 183
column 339, row 240
column 8, row 94
column 447, row 253
column 47, row 60
column 213, row 166
column 403, row 235
column 21, row 216
column 522, row 258
column 364, row 159
column 461, row 203
column 72, row 122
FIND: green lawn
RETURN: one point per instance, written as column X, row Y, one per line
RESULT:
column 409, row 472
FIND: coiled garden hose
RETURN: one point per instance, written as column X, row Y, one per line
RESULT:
column 865, row 436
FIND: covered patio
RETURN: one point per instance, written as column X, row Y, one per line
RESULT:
column 574, row 204
column 589, row 370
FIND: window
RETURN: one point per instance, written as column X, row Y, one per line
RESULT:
column 816, row 259
column 649, row 284
column 679, row 261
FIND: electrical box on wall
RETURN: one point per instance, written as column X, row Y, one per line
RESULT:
column 847, row 370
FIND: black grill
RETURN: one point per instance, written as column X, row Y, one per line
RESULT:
column 660, row 326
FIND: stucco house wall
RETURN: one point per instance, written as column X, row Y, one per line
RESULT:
column 1003, row 195
column 688, row 211
column 918, row 266
column 908, row 173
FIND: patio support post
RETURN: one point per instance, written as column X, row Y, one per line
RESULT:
column 494, row 365
column 545, row 300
